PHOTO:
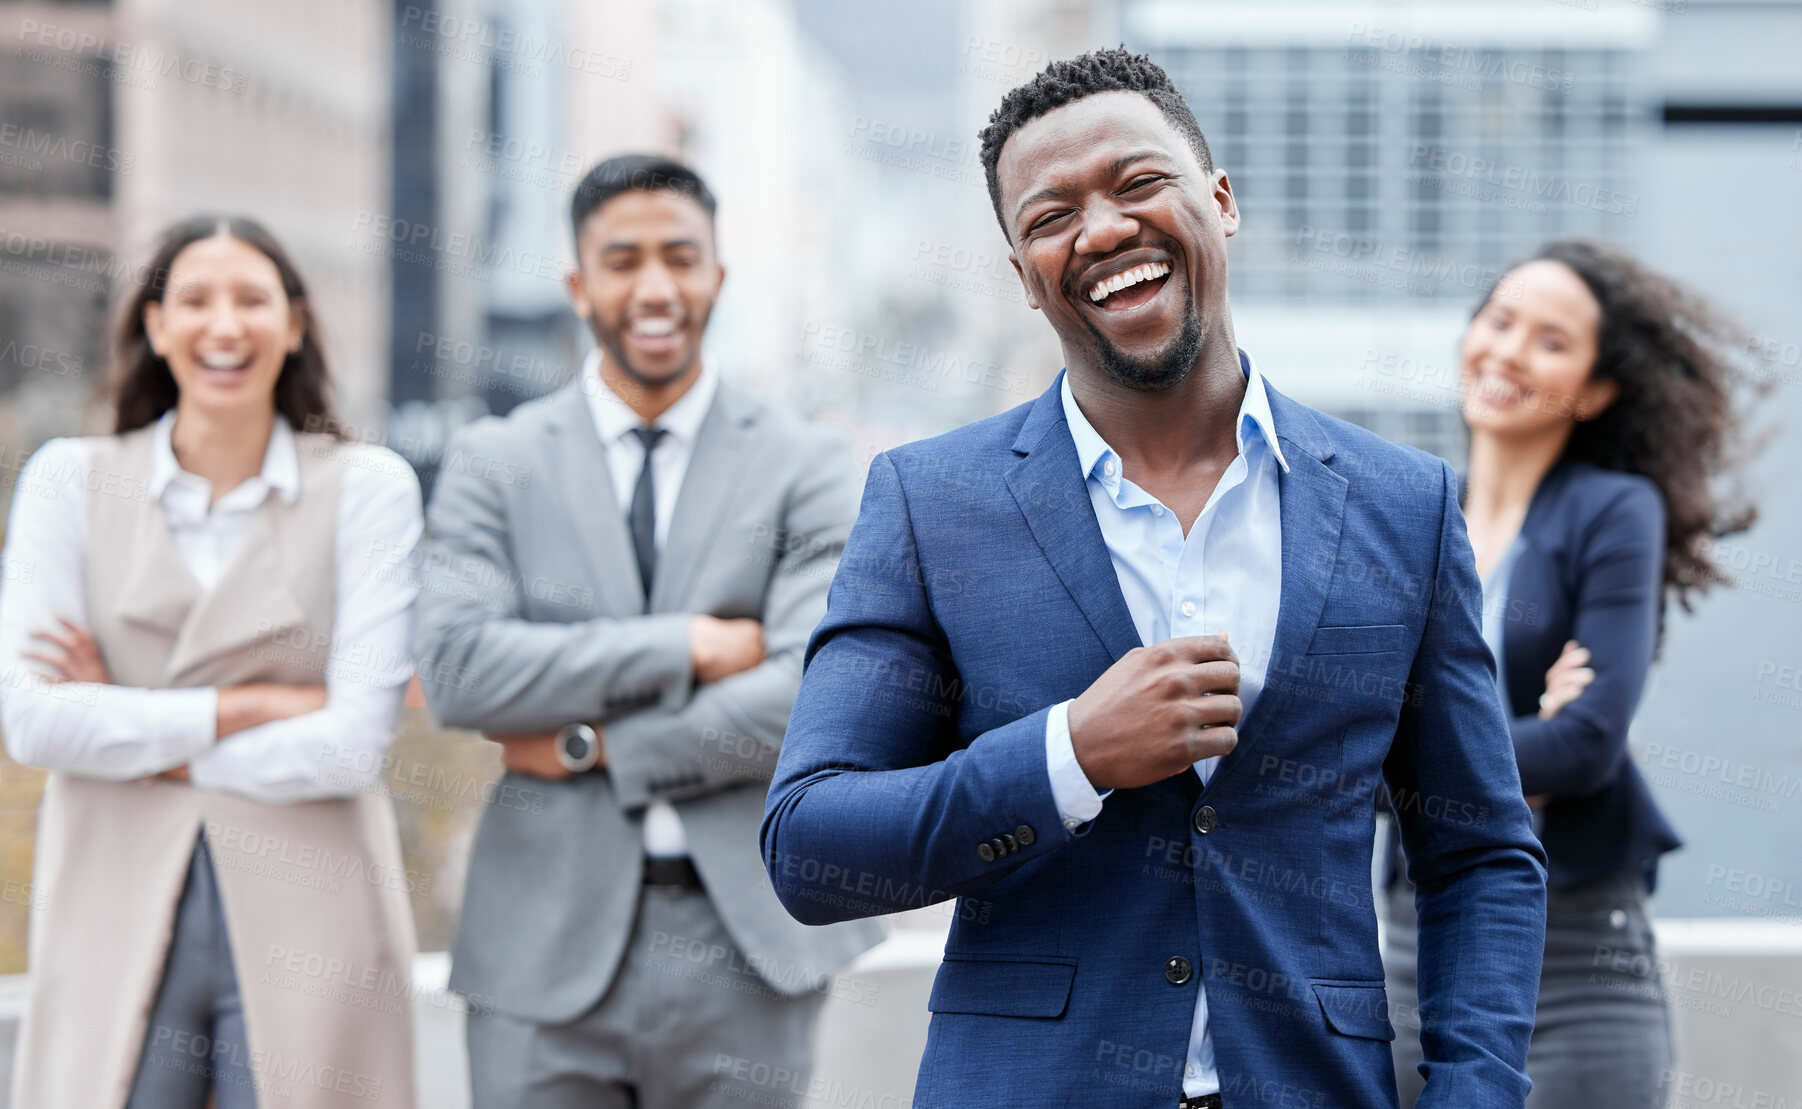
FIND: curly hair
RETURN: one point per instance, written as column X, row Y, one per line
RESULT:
column 1062, row 82
column 1675, row 420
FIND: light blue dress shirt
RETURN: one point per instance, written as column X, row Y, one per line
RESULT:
column 1225, row 575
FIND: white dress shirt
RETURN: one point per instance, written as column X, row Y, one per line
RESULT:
column 118, row 732
column 1225, row 575
column 614, row 422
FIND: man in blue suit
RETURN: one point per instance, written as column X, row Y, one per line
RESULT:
column 1161, row 837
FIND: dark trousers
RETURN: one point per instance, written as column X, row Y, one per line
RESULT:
column 1602, row 1032
column 195, row 1042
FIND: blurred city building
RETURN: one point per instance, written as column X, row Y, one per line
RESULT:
column 118, row 118
column 499, row 111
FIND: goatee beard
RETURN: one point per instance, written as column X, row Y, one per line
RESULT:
column 1163, row 369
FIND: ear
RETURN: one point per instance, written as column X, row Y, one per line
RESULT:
column 297, row 325
column 573, row 284
column 1595, row 397
column 153, row 326
column 1227, row 203
column 1032, row 302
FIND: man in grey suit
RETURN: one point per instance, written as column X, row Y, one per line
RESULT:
column 620, row 580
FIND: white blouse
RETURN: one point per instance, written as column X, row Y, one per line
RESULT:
column 120, row 732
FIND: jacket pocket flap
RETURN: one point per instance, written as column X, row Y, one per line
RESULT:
column 1002, row 987
column 1359, row 639
column 1361, row 1010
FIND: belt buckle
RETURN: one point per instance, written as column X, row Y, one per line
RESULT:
column 1205, row 1101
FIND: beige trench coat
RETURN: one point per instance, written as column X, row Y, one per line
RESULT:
column 314, row 893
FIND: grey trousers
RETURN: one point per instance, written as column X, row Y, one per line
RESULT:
column 195, row 1040
column 686, row 1023
column 1602, row 1031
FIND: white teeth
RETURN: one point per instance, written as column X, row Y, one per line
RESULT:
column 1497, row 389
column 1150, row 271
column 654, row 326
column 219, row 361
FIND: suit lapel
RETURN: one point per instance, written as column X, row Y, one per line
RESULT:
column 1312, row 499
column 713, row 473
column 599, row 522
column 1053, row 495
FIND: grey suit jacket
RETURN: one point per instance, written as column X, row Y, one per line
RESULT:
column 532, row 616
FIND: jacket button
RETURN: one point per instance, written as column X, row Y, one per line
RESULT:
column 1013, row 844
column 986, row 852
column 1206, row 819
column 1000, row 847
column 1178, row 971
column 1025, row 835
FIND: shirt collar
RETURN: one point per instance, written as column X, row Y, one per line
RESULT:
column 281, row 461
column 1254, row 412
column 614, row 418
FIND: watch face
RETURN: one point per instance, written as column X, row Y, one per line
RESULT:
column 575, row 746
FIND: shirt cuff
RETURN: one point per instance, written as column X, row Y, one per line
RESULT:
column 1077, row 801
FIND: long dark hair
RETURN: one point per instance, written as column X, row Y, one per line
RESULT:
column 143, row 386
column 1675, row 419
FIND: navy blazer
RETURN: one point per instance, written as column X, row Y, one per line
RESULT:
column 1591, row 569
column 974, row 593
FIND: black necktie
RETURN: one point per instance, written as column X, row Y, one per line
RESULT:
column 643, row 515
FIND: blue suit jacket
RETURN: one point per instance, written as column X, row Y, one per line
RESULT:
column 1592, row 570
column 974, row 593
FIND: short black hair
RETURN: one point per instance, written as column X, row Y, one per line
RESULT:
column 649, row 173
column 1062, row 82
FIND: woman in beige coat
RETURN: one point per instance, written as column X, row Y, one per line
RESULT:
column 203, row 636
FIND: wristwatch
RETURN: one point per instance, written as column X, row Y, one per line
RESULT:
column 578, row 748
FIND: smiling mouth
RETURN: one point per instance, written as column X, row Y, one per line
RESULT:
column 1131, row 288
column 1497, row 391
column 221, row 362
column 654, row 336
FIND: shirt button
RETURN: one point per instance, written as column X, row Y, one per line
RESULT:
column 1188, row 608
column 1108, row 468
column 1191, row 1071
column 1157, row 510
column 1618, row 918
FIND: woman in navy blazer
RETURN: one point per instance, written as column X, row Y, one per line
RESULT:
column 1598, row 400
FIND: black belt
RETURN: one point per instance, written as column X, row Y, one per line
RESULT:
column 1205, row 1101
column 678, row 871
